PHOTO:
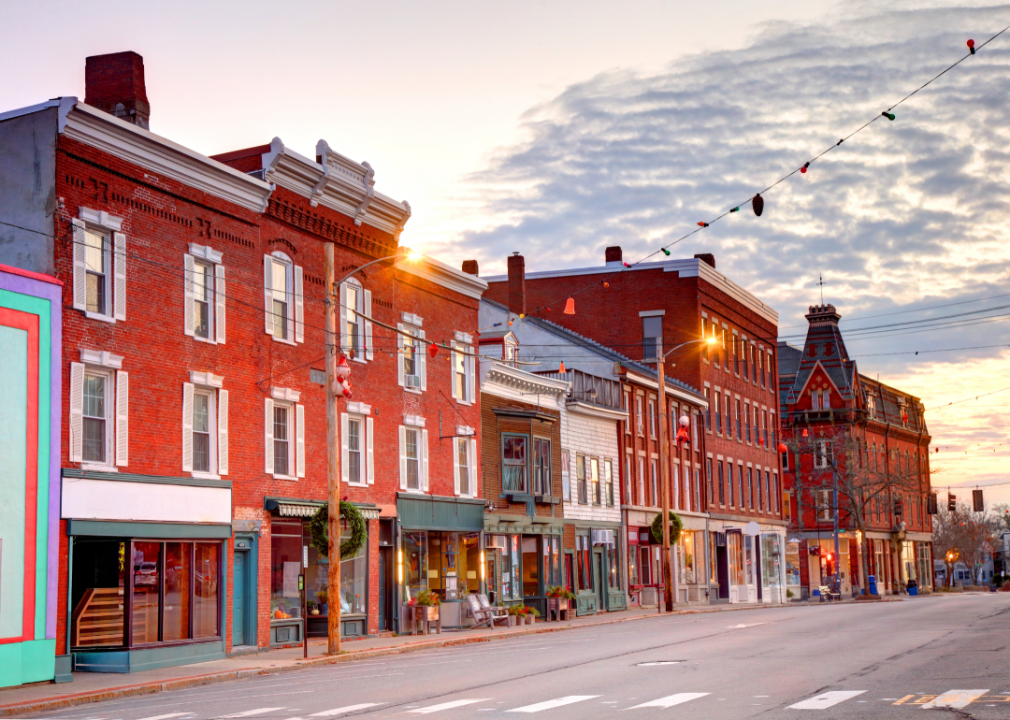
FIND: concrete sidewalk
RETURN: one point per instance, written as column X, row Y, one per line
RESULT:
column 93, row 687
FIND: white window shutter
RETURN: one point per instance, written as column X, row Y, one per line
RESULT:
column 424, row 455
column 187, row 427
column 452, row 375
column 345, row 431
column 76, row 410
column 122, row 418
column 80, row 279
column 368, row 325
column 422, row 353
column 403, row 458
column 471, row 378
column 268, row 436
column 222, row 432
column 299, row 305
column 219, row 303
column 472, row 466
column 399, row 355
column 300, row 443
column 189, row 269
column 345, row 342
column 370, row 456
column 119, row 267
column 455, row 465
column 268, row 298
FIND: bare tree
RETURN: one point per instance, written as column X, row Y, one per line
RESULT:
column 963, row 535
column 841, row 461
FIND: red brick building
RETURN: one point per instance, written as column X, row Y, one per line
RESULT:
column 661, row 306
column 194, row 442
column 848, row 432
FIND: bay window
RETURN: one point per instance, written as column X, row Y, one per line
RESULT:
column 515, row 478
column 541, row 466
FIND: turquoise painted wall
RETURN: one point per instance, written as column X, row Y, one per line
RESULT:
column 13, row 465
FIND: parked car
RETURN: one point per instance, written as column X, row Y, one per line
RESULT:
column 147, row 574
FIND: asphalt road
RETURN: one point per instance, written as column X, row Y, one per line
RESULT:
column 881, row 660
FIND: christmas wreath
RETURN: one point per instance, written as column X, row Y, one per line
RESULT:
column 319, row 525
column 675, row 527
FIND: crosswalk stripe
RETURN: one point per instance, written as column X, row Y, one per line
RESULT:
column 250, row 713
column 341, row 711
column 165, row 717
column 955, row 699
column 826, row 700
column 548, row 704
column 671, row 700
column 447, row 706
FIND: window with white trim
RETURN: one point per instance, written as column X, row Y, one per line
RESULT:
column 413, row 456
column 639, row 415
column 821, row 454
column 285, row 434
column 99, row 412
column 204, row 311
column 283, row 297
column 355, row 320
column 411, row 358
column 825, row 511
column 566, row 478
column 655, row 482
column 463, row 375
column 652, row 418
column 357, row 456
column 466, row 466
column 99, row 266
column 204, row 426
column 608, row 476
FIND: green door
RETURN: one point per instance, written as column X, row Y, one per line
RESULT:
column 238, row 604
column 598, row 584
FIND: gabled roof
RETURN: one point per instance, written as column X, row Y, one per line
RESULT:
column 824, row 347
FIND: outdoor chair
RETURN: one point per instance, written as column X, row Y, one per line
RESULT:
column 496, row 612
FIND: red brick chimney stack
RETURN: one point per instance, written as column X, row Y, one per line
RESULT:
column 614, row 255
column 517, row 284
column 470, row 267
column 708, row 258
column 115, row 83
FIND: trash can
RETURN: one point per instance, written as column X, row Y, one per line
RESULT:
column 872, row 582
column 913, row 587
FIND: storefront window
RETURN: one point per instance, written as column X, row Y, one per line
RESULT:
column 908, row 557
column 146, row 584
column 614, row 560
column 734, row 542
column 749, row 558
column 531, row 577
column 353, row 576
column 205, row 610
column 584, row 551
column 415, row 557
column 177, row 574
column 770, row 560
column 513, row 568
column 793, row 567
column 925, row 576
column 688, row 557
column 285, row 566
column 633, row 565
column 644, row 565
column 97, row 595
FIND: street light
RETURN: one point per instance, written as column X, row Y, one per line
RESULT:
column 664, row 471
column 337, row 372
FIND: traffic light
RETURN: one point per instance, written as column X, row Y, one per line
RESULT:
column 951, row 502
column 931, row 504
column 976, row 501
column 829, row 557
column 815, row 550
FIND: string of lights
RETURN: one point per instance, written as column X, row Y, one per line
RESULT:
column 757, row 201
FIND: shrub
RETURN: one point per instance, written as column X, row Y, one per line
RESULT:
column 426, row 598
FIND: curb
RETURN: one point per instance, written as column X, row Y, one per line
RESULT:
column 65, row 701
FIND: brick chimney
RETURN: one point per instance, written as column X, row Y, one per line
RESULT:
column 470, row 267
column 614, row 255
column 708, row 258
column 115, row 83
column 517, row 284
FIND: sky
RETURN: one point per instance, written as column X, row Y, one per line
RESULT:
column 559, row 128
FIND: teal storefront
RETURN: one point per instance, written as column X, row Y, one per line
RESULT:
column 440, row 549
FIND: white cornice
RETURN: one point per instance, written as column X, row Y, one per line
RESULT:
column 285, row 394
column 163, row 157
column 582, row 408
column 335, row 182
column 101, row 358
column 526, row 382
column 689, row 267
column 206, row 379
column 442, row 274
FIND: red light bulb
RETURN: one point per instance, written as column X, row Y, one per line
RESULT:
column 971, row 46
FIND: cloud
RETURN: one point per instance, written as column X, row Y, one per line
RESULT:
column 905, row 215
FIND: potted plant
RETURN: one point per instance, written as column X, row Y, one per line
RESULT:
column 533, row 615
column 426, row 605
column 558, row 600
column 323, row 597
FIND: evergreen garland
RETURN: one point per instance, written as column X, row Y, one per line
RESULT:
column 319, row 526
column 675, row 527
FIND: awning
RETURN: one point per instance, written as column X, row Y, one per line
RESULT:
column 307, row 508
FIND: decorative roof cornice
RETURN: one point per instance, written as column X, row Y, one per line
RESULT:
column 335, row 182
column 441, row 274
column 523, row 381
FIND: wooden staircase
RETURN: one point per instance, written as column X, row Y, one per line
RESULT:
column 98, row 618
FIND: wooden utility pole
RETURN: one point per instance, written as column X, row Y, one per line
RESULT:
column 664, row 477
column 332, row 458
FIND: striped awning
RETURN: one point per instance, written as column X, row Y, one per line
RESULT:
column 307, row 508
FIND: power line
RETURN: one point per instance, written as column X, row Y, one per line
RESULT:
column 907, row 310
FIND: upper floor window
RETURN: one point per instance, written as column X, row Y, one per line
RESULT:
column 413, row 455
column 463, row 369
column 99, row 411
column 566, row 476
column 466, row 466
column 515, row 456
column 541, row 466
column 99, row 271
column 357, row 445
column 753, row 365
column 355, row 320
column 285, row 434
column 708, row 412
column 640, row 420
column 652, row 418
column 204, row 425
column 594, row 468
column 718, row 412
column 825, row 509
column 204, row 312
column 652, row 337
column 283, row 295
column 822, row 453
column 608, row 477
column 411, row 363
column 736, row 354
column 580, row 473
column 705, row 347
column 627, row 409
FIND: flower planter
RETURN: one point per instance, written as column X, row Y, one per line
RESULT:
column 426, row 613
column 528, row 619
column 557, row 608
